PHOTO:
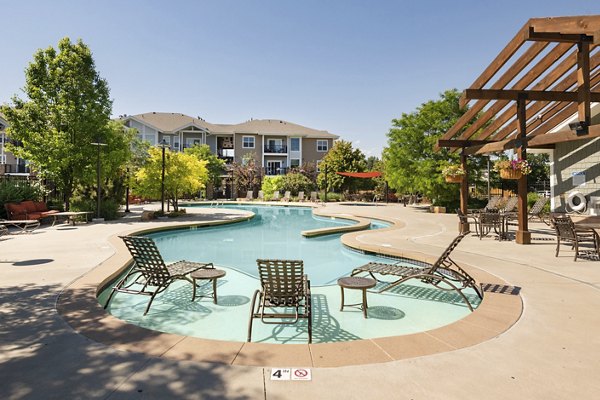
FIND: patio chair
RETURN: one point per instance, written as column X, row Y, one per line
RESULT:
column 444, row 274
column 275, row 196
column 510, row 204
column 249, row 195
column 287, row 196
column 568, row 233
column 3, row 230
column 536, row 209
column 284, row 286
column 300, row 196
column 150, row 271
column 488, row 220
column 466, row 220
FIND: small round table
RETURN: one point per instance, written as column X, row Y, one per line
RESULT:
column 210, row 274
column 356, row 282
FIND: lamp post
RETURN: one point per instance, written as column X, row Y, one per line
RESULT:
column 164, row 145
column 127, row 192
column 98, row 144
column 325, row 183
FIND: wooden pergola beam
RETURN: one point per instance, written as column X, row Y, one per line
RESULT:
column 460, row 143
column 530, row 95
column 586, row 24
column 558, row 37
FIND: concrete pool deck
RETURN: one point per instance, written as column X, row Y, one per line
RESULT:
column 552, row 351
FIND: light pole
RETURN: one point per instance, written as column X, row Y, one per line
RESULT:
column 164, row 145
column 98, row 144
column 325, row 183
column 127, row 193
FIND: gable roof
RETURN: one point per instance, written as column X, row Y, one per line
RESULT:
column 280, row 127
column 171, row 122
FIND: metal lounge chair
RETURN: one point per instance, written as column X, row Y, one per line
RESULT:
column 313, row 197
column 249, row 195
column 510, row 204
column 287, row 196
column 261, row 195
column 150, row 271
column 300, row 196
column 275, row 196
column 536, row 209
column 568, row 233
column 444, row 274
column 283, row 286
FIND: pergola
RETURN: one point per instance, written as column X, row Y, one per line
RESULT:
column 544, row 76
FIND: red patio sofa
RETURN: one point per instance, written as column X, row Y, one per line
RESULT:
column 28, row 209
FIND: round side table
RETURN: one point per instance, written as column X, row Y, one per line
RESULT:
column 356, row 282
column 207, row 274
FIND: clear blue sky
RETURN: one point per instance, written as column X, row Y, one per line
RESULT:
column 345, row 66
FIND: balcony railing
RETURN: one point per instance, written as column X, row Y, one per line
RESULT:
column 275, row 148
column 276, row 171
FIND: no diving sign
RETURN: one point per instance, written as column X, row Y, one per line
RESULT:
column 295, row 374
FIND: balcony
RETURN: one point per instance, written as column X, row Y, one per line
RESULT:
column 275, row 148
column 225, row 154
column 272, row 171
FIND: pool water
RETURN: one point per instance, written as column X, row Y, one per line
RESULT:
column 275, row 233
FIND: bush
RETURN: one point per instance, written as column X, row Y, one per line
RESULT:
column 271, row 184
column 296, row 182
column 109, row 208
column 330, row 196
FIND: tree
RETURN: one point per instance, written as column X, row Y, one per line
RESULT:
column 411, row 164
column 341, row 158
column 272, row 184
column 296, row 182
column 214, row 164
column 246, row 176
column 67, row 107
column 184, row 174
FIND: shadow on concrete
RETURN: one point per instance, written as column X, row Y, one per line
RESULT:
column 41, row 357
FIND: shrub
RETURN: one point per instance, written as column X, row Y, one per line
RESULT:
column 17, row 191
column 109, row 208
column 330, row 196
column 271, row 184
column 297, row 182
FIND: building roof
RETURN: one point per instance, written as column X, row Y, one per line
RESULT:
column 280, row 127
column 171, row 122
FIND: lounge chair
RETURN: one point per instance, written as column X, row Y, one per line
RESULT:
column 23, row 225
column 536, row 209
column 261, row 195
column 249, row 195
column 313, row 197
column 444, row 274
column 287, row 196
column 300, row 196
column 3, row 230
column 285, row 286
column 275, row 196
column 568, row 233
column 150, row 271
column 509, row 205
column 491, row 204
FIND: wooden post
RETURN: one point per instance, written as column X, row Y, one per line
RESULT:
column 464, row 192
column 523, row 234
column 584, row 110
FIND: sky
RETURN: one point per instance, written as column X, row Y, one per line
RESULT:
column 348, row 67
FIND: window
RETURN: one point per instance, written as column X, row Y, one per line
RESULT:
column 248, row 142
column 295, row 144
column 322, row 146
column 294, row 162
column 319, row 165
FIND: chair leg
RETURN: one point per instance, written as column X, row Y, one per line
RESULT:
column 557, row 246
column 576, row 244
column 252, row 315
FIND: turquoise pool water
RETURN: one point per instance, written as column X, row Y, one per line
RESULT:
column 275, row 232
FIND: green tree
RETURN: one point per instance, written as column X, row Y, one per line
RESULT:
column 411, row 164
column 296, row 182
column 271, row 184
column 214, row 164
column 67, row 107
column 246, row 176
column 184, row 174
column 341, row 158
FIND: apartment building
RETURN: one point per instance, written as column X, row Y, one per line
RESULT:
column 9, row 164
column 277, row 145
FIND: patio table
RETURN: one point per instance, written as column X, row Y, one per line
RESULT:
column 71, row 216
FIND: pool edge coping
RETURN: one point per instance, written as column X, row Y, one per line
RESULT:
column 78, row 306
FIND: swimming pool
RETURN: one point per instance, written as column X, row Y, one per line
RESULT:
column 275, row 233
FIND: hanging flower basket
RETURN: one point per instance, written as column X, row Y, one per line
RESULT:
column 510, row 174
column 454, row 178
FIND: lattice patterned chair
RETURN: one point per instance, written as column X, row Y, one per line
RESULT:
column 150, row 271
column 283, row 286
column 568, row 233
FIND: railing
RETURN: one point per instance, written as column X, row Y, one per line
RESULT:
column 225, row 153
column 276, row 171
column 275, row 148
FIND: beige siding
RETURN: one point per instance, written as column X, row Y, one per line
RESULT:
column 240, row 152
column 309, row 150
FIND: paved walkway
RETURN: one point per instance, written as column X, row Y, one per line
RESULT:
column 552, row 352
